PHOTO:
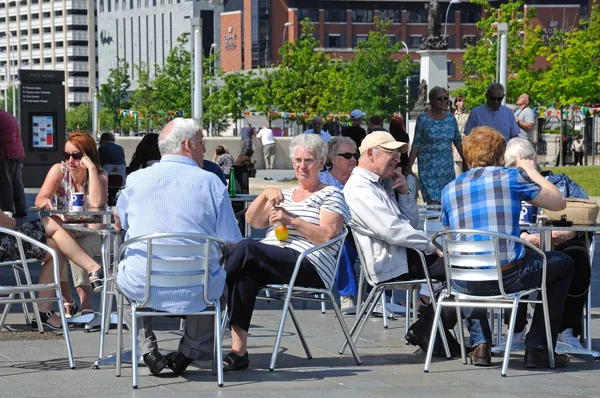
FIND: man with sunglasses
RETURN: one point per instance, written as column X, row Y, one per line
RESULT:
column 494, row 114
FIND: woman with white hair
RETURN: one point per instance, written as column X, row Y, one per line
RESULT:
column 313, row 212
column 572, row 243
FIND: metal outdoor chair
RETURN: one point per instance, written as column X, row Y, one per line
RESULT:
column 476, row 261
column 17, row 293
column 172, row 260
column 289, row 291
column 378, row 288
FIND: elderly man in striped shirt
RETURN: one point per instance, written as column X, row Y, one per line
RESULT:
column 175, row 195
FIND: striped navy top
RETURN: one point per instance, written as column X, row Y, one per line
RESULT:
column 328, row 199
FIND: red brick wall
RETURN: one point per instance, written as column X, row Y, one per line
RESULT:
column 231, row 58
column 247, row 34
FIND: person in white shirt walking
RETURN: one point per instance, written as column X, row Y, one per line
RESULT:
column 577, row 148
column 266, row 137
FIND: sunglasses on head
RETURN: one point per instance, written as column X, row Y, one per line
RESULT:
column 76, row 155
column 348, row 155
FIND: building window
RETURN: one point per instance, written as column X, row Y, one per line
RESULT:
column 335, row 40
column 450, row 67
column 60, row 59
column 393, row 16
column 310, row 13
column 130, row 5
column 335, row 15
column 392, row 39
column 102, row 5
column 414, row 41
column 36, row 46
column 139, row 3
column 469, row 40
column 472, row 15
column 417, row 16
column 116, row 5
column 365, row 16
column 359, row 39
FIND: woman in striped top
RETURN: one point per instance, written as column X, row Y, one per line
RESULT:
column 313, row 212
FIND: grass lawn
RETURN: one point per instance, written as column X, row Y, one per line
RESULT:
column 586, row 176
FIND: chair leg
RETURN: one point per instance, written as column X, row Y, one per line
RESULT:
column 323, row 309
column 548, row 331
column 360, row 313
column 134, row 348
column 461, row 336
column 218, row 357
column 284, row 313
column 119, row 334
column 406, row 314
column 340, row 318
column 434, row 328
column 182, row 325
column 509, row 336
column 299, row 331
column 588, row 320
column 36, row 311
column 384, row 312
column 361, row 286
column 369, row 310
column 63, row 321
column 105, row 312
column 5, row 311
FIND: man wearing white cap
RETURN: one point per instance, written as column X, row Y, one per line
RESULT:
column 384, row 216
column 355, row 131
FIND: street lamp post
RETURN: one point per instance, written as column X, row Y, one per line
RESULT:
column 11, row 73
column 447, row 11
column 407, row 88
column 285, row 26
column 212, row 49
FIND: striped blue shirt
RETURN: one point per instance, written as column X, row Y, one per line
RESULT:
column 489, row 199
column 174, row 195
column 329, row 199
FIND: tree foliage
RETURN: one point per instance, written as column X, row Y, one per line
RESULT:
column 113, row 93
column 79, row 118
column 173, row 82
column 143, row 99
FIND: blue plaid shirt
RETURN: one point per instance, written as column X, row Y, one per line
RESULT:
column 174, row 195
column 489, row 199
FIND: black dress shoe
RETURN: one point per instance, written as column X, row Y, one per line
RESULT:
column 537, row 358
column 155, row 361
column 177, row 362
column 419, row 336
column 234, row 361
column 482, row 355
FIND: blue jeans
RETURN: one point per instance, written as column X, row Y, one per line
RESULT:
column 559, row 271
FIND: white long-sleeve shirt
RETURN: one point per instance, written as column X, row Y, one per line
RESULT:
column 385, row 225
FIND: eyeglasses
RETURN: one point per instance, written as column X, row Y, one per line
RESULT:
column 202, row 142
column 308, row 162
column 498, row 99
column 442, row 98
column 391, row 153
column 76, row 155
column 348, row 155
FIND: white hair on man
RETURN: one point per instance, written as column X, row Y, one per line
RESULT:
column 310, row 142
column 175, row 133
column 518, row 146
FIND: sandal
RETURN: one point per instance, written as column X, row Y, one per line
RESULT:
column 44, row 316
column 87, row 312
column 70, row 313
column 98, row 283
column 234, row 362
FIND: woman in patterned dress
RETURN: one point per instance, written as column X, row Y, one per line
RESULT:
column 49, row 231
column 79, row 172
column 435, row 132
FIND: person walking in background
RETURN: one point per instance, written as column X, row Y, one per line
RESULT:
column 355, row 131
column 12, row 191
column 494, row 114
column 525, row 117
column 266, row 137
column 577, row 148
column 224, row 159
column 461, row 115
column 435, row 132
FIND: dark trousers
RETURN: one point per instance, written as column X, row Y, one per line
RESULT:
column 559, row 271
column 12, row 192
column 251, row 265
column 578, row 158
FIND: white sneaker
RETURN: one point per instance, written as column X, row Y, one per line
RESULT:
column 566, row 336
column 346, row 302
column 518, row 338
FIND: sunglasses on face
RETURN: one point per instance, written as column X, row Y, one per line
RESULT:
column 498, row 99
column 76, row 155
column 442, row 98
column 348, row 155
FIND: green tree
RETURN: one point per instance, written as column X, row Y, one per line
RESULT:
column 304, row 76
column 143, row 98
column 79, row 118
column 173, row 82
column 213, row 108
column 237, row 94
column 375, row 78
column 574, row 57
column 9, row 99
column 113, row 93
column 524, row 45
column 265, row 96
